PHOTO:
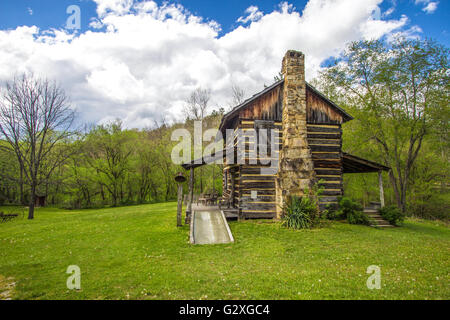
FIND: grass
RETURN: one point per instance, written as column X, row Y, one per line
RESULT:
column 138, row 253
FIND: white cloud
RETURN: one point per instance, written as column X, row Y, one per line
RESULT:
column 117, row 7
column 429, row 6
column 141, row 60
column 95, row 23
column 253, row 15
column 375, row 29
column 388, row 12
column 413, row 32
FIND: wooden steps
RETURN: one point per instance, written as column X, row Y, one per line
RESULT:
column 377, row 220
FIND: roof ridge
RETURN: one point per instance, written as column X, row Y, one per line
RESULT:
column 273, row 85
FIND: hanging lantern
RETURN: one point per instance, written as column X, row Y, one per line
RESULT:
column 179, row 178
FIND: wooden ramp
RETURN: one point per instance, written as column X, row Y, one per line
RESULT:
column 209, row 226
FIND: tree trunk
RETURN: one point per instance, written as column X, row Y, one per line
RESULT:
column 102, row 193
column 22, row 199
column 403, row 198
column 395, row 186
column 32, row 202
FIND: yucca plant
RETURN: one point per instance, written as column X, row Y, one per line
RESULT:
column 300, row 212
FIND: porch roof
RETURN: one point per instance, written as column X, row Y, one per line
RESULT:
column 350, row 163
column 354, row 164
column 202, row 161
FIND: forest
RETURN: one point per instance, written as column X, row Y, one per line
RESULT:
column 397, row 91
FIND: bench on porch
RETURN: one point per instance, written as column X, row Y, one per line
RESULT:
column 207, row 199
column 225, row 203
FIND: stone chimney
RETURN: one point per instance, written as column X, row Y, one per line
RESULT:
column 296, row 169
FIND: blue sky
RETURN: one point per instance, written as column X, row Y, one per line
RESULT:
column 138, row 60
column 52, row 13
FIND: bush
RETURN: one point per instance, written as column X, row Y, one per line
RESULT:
column 352, row 211
column 347, row 206
column 300, row 213
column 357, row 217
column 332, row 214
column 435, row 205
column 392, row 214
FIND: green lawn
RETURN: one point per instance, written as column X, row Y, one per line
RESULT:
column 138, row 253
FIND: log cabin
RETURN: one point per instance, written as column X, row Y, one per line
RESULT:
column 302, row 146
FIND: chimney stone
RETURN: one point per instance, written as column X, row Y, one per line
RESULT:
column 296, row 168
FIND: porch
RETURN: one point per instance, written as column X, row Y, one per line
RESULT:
column 229, row 212
column 354, row 164
column 231, row 201
column 200, row 202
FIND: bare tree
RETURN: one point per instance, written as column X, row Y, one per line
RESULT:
column 238, row 94
column 35, row 119
column 197, row 104
column 196, row 109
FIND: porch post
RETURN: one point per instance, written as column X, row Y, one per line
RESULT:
column 380, row 185
column 190, row 197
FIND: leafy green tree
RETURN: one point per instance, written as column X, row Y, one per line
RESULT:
column 108, row 152
column 395, row 88
column 11, row 185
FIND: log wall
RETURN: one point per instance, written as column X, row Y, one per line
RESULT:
column 325, row 142
column 255, row 186
column 324, row 137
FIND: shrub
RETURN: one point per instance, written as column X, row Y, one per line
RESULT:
column 352, row 211
column 300, row 213
column 347, row 206
column 435, row 205
column 357, row 217
column 392, row 214
column 332, row 214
